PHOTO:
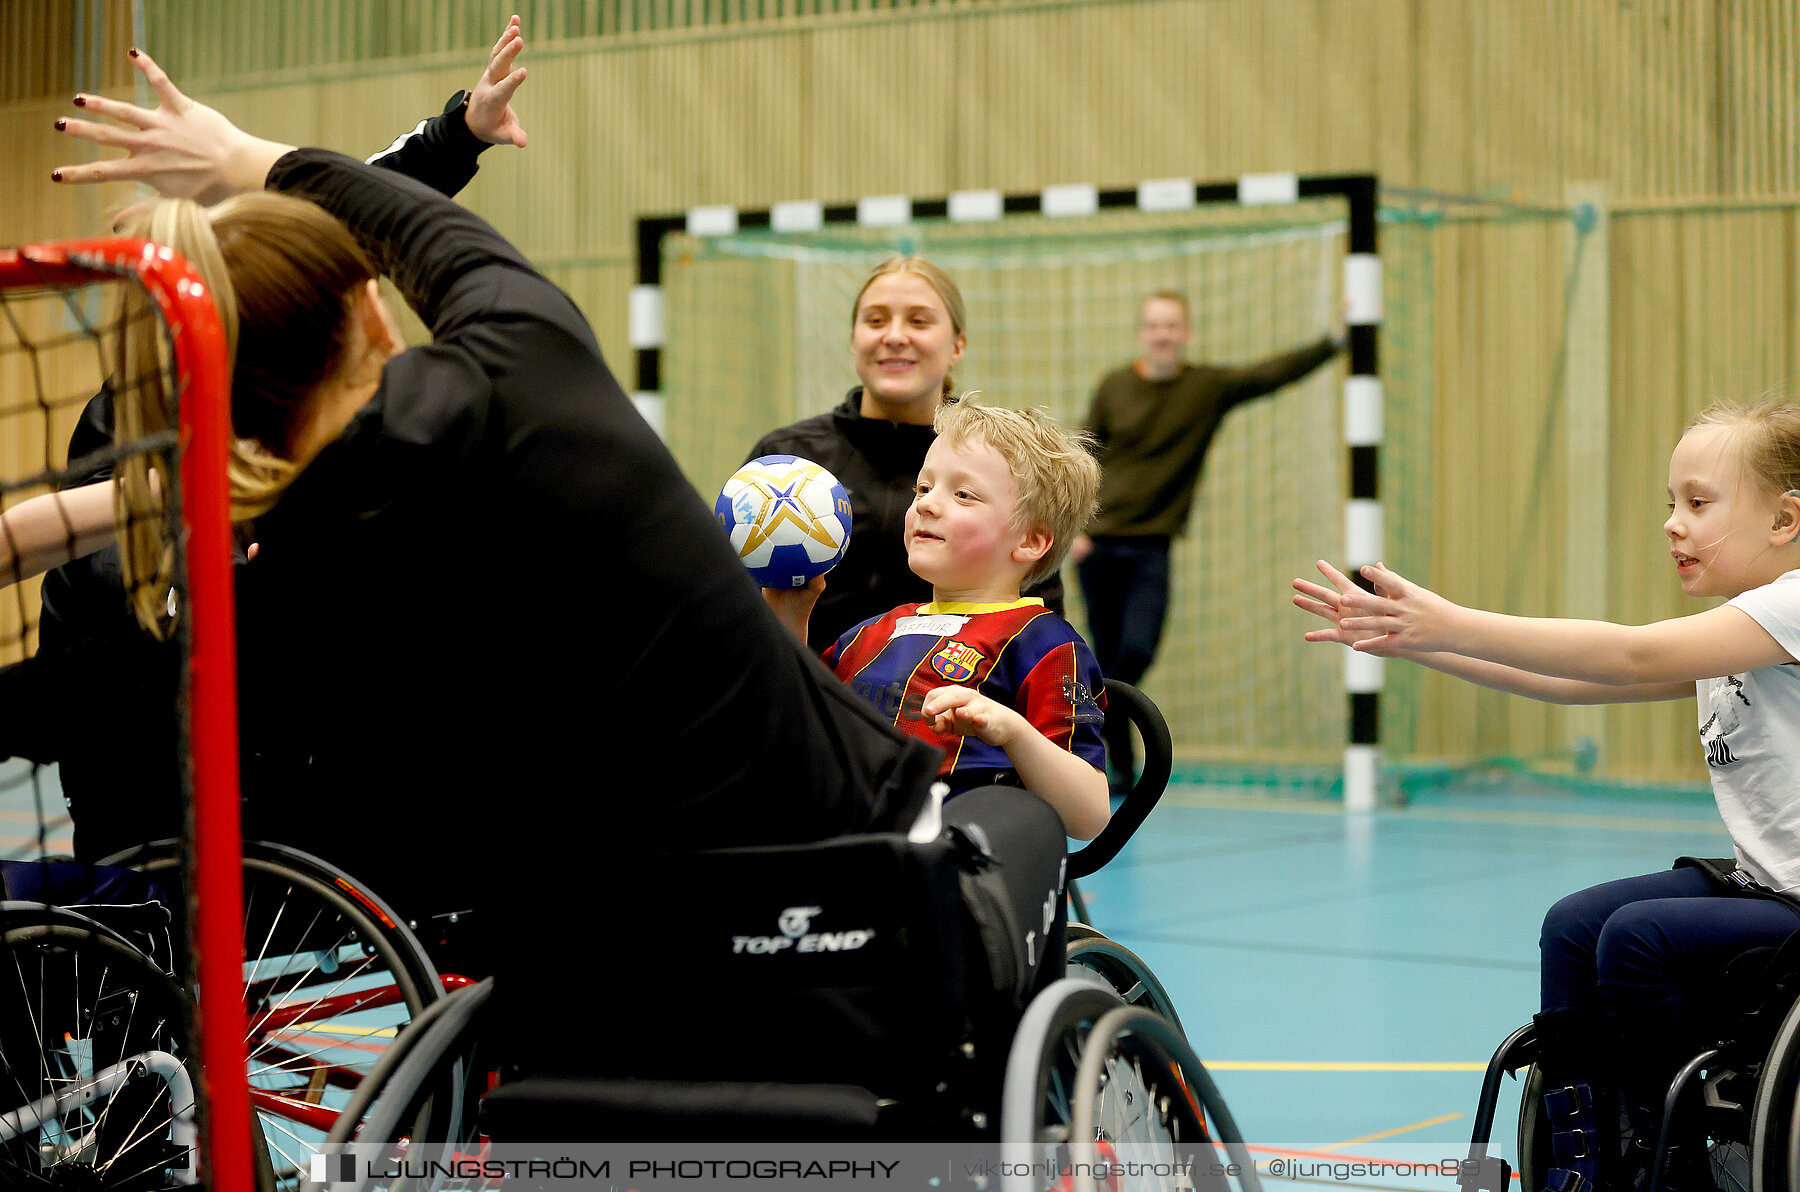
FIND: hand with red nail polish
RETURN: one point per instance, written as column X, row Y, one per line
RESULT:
column 182, row 148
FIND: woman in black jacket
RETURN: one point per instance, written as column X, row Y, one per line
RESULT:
column 89, row 640
column 492, row 633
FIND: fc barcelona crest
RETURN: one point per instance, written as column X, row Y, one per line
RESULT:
column 956, row 662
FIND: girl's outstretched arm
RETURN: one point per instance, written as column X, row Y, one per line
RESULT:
column 50, row 529
column 1405, row 618
column 1326, row 603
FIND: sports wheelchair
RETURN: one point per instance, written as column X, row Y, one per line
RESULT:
column 864, row 988
column 1735, row 1104
column 96, row 1082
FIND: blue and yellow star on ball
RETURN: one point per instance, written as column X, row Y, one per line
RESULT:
column 787, row 507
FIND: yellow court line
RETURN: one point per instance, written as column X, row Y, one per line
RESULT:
column 1344, row 1066
column 340, row 1028
column 1436, row 1121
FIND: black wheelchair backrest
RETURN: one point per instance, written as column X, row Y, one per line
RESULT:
column 844, row 960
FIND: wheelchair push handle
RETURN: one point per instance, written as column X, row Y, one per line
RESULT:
column 1122, row 699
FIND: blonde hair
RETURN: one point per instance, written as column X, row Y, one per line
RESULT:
column 144, row 402
column 1768, row 438
column 1054, row 468
column 285, row 277
column 940, row 284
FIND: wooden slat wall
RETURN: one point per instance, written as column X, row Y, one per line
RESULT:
column 1686, row 112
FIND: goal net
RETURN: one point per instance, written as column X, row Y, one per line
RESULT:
column 757, row 336
column 101, row 1052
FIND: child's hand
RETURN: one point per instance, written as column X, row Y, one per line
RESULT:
column 793, row 606
column 1328, row 604
column 965, row 712
column 1398, row 617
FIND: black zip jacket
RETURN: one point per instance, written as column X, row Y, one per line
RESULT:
column 496, row 590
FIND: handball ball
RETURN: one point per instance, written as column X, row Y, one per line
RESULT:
column 787, row 517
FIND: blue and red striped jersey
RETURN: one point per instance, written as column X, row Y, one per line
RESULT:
column 1020, row 654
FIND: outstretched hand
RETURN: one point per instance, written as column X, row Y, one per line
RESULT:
column 1399, row 616
column 182, row 148
column 490, row 116
column 1327, row 603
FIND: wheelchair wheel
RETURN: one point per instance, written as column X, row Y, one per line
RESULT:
column 1037, row 1098
column 1044, row 1115
column 1775, row 1115
column 96, row 1084
column 1534, row 1132
column 436, row 1050
column 330, row 977
column 1143, row 1098
column 1122, row 970
column 1728, row 1156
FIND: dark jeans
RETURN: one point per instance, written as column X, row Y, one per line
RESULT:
column 1125, row 582
column 1637, row 950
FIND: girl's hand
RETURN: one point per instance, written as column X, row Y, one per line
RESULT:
column 490, row 116
column 1327, row 603
column 965, row 712
column 1398, row 617
column 182, row 148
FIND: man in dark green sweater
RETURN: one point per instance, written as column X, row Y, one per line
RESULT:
column 1154, row 419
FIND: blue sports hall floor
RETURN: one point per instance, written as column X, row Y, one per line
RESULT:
column 1347, row 978
column 1344, row 977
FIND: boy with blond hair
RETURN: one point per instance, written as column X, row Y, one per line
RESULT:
column 1005, row 687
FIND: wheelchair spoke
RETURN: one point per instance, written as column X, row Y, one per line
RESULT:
column 301, row 1067
column 290, row 1012
column 301, row 1146
column 100, row 1121
column 138, row 1136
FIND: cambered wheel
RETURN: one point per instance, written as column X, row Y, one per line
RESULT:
column 1124, row 971
column 1144, row 1103
column 330, row 976
column 1774, row 1129
column 96, row 1087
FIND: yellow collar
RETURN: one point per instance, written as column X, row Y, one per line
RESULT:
column 965, row 609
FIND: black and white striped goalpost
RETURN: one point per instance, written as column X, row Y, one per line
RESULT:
column 1363, row 675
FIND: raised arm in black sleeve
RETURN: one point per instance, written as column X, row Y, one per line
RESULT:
column 439, row 151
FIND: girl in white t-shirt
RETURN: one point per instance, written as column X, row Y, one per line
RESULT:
column 1621, row 961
